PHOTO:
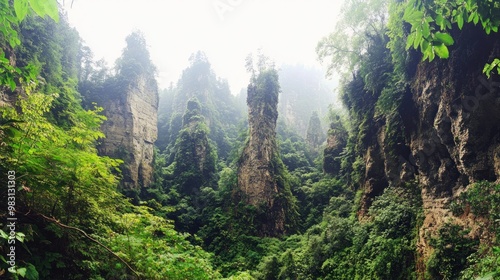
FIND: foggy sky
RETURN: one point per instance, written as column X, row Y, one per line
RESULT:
column 226, row 30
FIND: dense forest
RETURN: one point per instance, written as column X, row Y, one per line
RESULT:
column 105, row 175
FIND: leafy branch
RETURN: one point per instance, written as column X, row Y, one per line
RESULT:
column 12, row 13
column 91, row 239
column 431, row 22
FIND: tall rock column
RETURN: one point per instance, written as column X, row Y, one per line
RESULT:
column 130, row 102
column 131, row 130
column 262, row 180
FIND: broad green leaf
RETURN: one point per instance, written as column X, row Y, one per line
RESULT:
column 409, row 41
column 448, row 24
column 426, row 56
column 489, row 67
column 460, row 21
column 426, row 32
column 440, row 21
column 418, row 38
column 471, row 17
column 32, row 273
column 11, row 83
column 425, row 46
column 21, row 271
column 39, row 7
column 444, row 38
column 20, row 236
column 45, row 7
column 442, row 51
column 51, row 9
column 21, row 8
column 414, row 16
column 432, row 55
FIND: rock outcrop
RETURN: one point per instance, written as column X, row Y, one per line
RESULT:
column 195, row 158
column 262, row 180
column 131, row 130
column 456, row 140
column 449, row 134
column 335, row 144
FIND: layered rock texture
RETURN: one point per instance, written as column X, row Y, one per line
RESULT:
column 261, row 174
column 131, row 130
column 455, row 139
column 444, row 136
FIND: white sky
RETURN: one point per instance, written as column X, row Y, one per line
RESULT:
column 287, row 30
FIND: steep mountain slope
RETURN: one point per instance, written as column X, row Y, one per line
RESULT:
column 443, row 135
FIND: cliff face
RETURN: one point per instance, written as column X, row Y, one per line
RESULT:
column 449, row 135
column 335, row 143
column 456, row 140
column 131, row 130
column 261, row 181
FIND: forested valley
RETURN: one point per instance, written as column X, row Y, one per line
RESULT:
column 105, row 175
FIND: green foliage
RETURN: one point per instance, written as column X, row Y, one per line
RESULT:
column 51, row 50
column 10, row 73
column 481, row 199
column 135, row 59
column 342, row 248
column 451, row 249
column 73, row 223
column 488, row 67
column 424, row 36
column 228, row 231
column 194, row 168
column 199, row 81
column 50, row 141
column 432, row 20
column 27, row 270
column 63, row 175
column 156, row 249
column 12, row 14
column 293, row 150
column 314, row 135
column 12, row 17
column 361, row 21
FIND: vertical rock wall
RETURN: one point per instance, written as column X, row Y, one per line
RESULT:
column 456, row 140
column 449, row 124
column 261, row 181
column 131, row 130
